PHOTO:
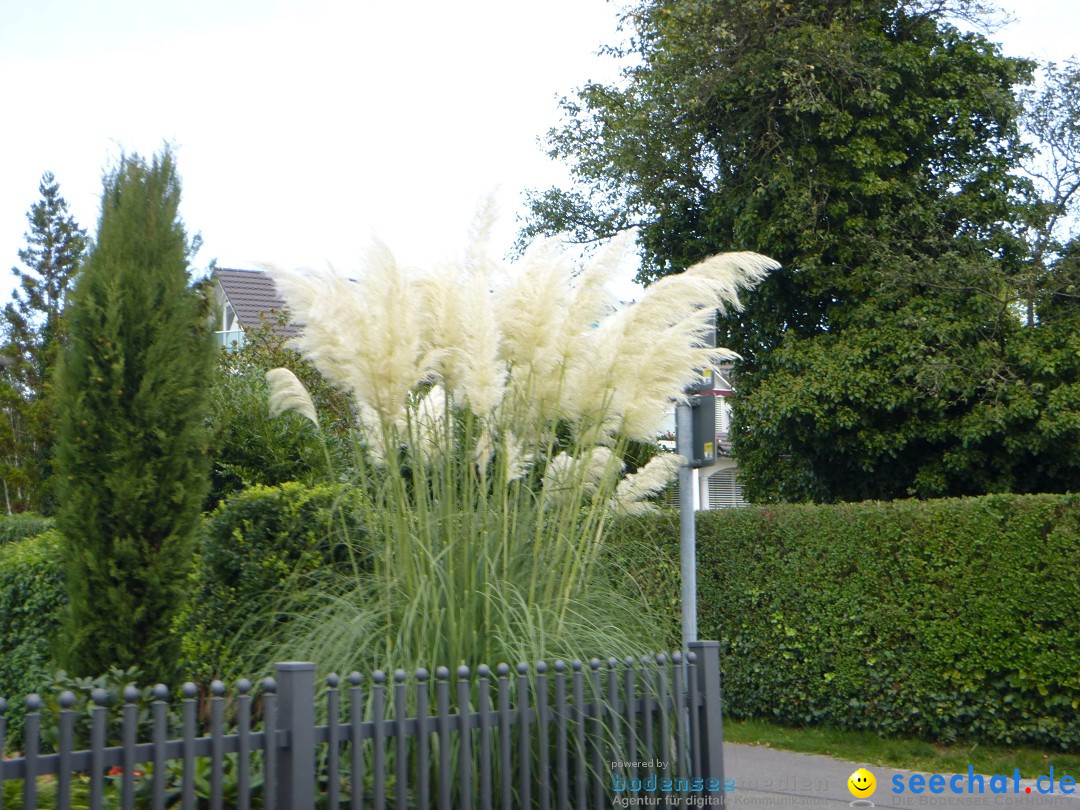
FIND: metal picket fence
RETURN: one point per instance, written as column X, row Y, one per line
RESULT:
column 565, row 736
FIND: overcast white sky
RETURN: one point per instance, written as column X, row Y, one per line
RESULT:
column 306, row 127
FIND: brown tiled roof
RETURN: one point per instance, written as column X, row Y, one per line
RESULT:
column 251, row 293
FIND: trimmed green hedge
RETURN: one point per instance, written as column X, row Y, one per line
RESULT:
column 18, row 527
column 260, row 547
column 953, row 619
column 31, row 597
column 263, row 544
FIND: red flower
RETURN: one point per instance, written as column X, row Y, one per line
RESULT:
column 116, row 770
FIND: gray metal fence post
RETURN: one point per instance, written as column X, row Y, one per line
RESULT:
column 296, row 716
column 712, row 722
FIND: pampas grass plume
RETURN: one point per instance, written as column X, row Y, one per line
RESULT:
column 287, row 393
column 630, row 496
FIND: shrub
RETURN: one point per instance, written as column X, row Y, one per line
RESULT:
column 948, row 619
column 258, row 548
column 249, row 447
column 25, row 524
column 31, row 598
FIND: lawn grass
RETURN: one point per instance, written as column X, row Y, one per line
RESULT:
column 913, row 754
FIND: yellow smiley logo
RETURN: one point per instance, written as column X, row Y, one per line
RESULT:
column 862, row 783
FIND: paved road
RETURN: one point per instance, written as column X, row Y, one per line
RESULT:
column 765, row 778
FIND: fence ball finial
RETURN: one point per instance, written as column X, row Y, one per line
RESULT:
column 99, row 696
column 661, row 659
column 355, row 678
column 541, row 667
column 523, row 668
column 3, row 705
column 503, row 670
column 629, row 661
column 217, row 688
column 67, row 699
column 160, row 692
column 269, row 685
column 422, row 675
column 594, row 663
column 484, row 671
column 131, row 693
column 463, row 672
column 676, row 658
column 612, row 663
column 442, row 673
column 189, row 690
column 577, row 665
column 560, row 666
column 691, row 657
column 34, row 702
column 332, row 680
column 378, row 677
column 400, row 675
column 243, row 686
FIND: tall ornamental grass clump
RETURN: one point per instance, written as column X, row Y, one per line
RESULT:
column 495, row 405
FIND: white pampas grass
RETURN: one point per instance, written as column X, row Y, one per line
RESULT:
column 529, row 364
column 497, row 404
column 460, row 332
column 518, row 461
column 287, row 393
column 430, row 426
column 363, row 334
column 642, row 357
column 631, row 493
column 567, row 476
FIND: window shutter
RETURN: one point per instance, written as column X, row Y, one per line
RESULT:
column 724, row 490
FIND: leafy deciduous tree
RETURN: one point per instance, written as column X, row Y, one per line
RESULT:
column 872, row 148
column 1052, row 120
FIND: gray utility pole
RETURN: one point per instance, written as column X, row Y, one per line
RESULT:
column 695, row 440
column 684, row 433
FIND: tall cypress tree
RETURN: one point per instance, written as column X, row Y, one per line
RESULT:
column 132, row 466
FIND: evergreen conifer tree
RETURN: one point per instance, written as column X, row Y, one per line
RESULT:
column 54, row 246
column 131, row 450
column 33, row 332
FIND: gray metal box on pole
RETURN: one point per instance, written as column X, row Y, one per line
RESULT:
column 703, row 431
